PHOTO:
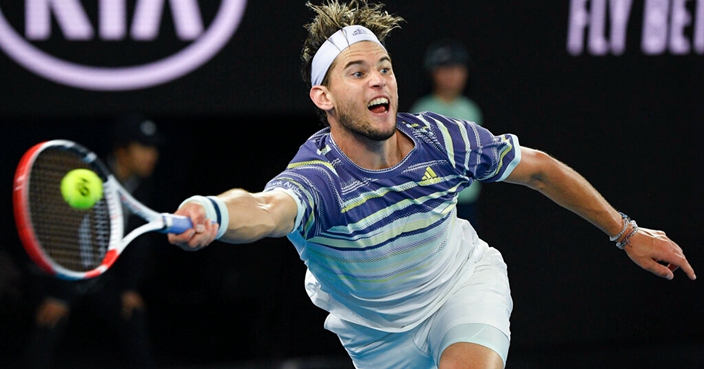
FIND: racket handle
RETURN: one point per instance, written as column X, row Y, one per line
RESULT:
column 176, row 223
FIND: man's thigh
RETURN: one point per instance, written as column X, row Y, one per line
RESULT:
column 372, row 349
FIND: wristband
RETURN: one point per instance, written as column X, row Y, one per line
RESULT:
column 215, row 210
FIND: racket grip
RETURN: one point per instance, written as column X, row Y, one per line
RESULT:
column 176, row 223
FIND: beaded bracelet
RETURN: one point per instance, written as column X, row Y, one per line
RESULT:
column 626, row 220
column 626, row 239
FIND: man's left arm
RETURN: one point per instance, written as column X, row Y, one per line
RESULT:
column 652, row 250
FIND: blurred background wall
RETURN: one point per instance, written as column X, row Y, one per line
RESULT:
column 613, row 88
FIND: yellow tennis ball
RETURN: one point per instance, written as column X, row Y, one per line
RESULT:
column 81, row 188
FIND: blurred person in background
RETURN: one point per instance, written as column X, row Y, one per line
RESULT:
column 447, row 65
column 114, row 298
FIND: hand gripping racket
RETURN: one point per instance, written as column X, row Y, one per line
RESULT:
column 72, row 243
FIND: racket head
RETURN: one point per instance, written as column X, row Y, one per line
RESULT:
column 63, row 241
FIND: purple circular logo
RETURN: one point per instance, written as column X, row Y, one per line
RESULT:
column 206, row 43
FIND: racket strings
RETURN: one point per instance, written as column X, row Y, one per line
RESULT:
column 75, row 239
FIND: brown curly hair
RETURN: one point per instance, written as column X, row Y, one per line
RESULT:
column 333, row 16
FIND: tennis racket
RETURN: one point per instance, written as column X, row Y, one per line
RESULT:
column 71, row 243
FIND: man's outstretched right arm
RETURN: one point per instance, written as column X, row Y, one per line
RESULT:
column 248, row 217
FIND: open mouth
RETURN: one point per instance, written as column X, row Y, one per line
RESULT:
column 379, row 105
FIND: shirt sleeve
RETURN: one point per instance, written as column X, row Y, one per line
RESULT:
column 474, row 150
column 309, row 182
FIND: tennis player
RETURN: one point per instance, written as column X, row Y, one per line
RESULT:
column 369, row 203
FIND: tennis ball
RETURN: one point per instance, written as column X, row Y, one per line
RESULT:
column 81, row 188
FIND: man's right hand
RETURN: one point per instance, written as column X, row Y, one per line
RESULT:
column 203, row 232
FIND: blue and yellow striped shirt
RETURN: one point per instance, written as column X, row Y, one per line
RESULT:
column 383, row 247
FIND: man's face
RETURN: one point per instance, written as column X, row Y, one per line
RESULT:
column 364, row 92
column 141, row 159
column 450, row 79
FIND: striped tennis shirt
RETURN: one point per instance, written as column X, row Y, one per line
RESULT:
column 383, row 247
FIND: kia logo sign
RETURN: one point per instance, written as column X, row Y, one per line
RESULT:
column 112, row 25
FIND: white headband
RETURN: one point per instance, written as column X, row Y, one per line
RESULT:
column 333, row 46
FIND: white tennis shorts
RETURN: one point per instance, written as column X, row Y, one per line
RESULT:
column 478, row 312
